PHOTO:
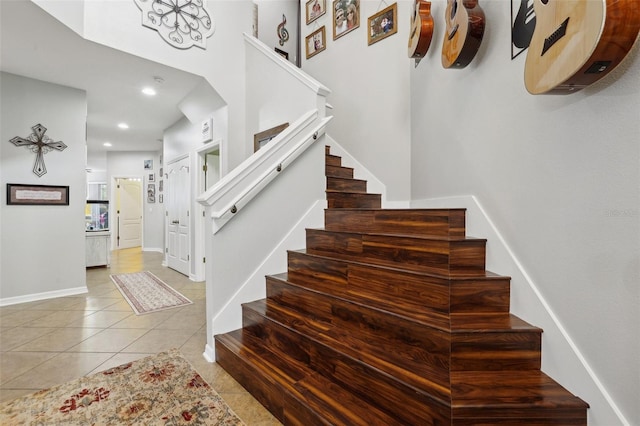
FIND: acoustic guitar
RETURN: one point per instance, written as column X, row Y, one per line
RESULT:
column 577, row 42
column 421, row 29
column 465, row 28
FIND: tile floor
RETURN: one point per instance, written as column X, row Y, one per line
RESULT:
column 98, row 330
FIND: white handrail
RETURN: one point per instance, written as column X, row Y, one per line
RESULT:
column 238, row 188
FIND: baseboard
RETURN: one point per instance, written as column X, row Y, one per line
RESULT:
column 209, row 353
column 7, row 301
column 154, row 249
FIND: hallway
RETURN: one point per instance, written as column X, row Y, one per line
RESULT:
column 49, row 342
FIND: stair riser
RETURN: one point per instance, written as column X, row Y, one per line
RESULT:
column 337, row 171
column 437, row 223
column 413, row 346
column 355, row 200
column 346, row 184
column 425, row 298
column 379, row 389
column 333, row 160
column 258, row 385
column 458, row 257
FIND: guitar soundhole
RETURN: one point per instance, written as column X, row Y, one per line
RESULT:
column 544, row 1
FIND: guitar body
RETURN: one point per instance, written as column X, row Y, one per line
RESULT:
column 421, row 29
column 577, row 42
column 465, row 29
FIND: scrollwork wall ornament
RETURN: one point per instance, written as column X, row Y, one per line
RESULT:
column 181, row 23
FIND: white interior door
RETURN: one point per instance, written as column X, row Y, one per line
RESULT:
column 129, row 213
column 178, row 196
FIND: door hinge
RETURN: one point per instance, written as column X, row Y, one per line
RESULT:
column 166, row 249
column 204, row 260
column 188, row 257
column 166, row 213
column 203, row 213
column 204, row 168
column 187, row 213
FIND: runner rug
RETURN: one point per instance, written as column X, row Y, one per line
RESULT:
column 162, row 389
column 147, row 293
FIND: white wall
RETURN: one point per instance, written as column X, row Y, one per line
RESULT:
column 369, row 92
column 560, row 178
column 42, row 246
column 130, row 164
column 270, row 16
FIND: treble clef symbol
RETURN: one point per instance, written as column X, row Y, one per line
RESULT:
column 283, row 34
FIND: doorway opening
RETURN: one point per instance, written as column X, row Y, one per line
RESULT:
column 128, row 212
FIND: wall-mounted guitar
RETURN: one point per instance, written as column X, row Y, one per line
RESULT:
column 421, row 29
column 465, row 28
column 577, row 42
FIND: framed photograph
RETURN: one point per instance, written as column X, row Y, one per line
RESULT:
column 315, row 9
column 316, row 42
column 282, row 53
column 37, row 195
column 346, row 17
column 160, row 198
column 152, row 177
column 383, row 24
column 151, row 193
column 160, row 185
column 261, row 139
column 148, row 164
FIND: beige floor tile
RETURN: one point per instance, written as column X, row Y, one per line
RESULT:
column 62, row 368
column 119, row 359
column 18, row 318
column 14, row 364
column 11, row 338
column 109, row 340
column 158, row 341
column 58, row 319
column 147, row 321
column 7, row 395
column 249, row 410
column 59, row 340
column 103, row 319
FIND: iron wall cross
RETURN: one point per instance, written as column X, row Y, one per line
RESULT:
column 39, row 143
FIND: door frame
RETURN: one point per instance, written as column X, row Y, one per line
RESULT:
column 199, row 274
column 112, row 208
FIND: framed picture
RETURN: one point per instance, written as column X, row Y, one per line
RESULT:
column 152, row 177
column 160, row 198
column 346, row 17
column 316, row 42
column 151, row 193
column 148, row 164
column 261, row 139
column 37, row 195
column 315, row 9
column 383, row 24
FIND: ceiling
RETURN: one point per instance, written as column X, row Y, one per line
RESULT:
column 47, row 50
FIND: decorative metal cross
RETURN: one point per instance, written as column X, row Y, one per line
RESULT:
column 39, row 143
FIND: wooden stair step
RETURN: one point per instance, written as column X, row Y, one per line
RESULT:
column 349, row 368
column 340, row 199
column 434, row 222
column 333, row 160
column 454, row 256
column 489, row 342
column 422, row 296
column 346, row 184
column 298, row 396
column 501, row 398
column 338, row 171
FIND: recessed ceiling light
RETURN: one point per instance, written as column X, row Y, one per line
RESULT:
column 123, row 125
column 149, row 91
column 107, row 144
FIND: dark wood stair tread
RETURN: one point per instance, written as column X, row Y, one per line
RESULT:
column 307, row 388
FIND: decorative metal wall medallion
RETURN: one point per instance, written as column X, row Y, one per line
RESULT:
column 181, row 23
column 39, row 143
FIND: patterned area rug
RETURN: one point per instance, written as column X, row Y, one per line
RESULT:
column 147, row 293
column 163, row 389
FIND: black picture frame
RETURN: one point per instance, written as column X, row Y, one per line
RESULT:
column 19, row 194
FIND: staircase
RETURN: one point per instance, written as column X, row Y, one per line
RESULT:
column 388, row 317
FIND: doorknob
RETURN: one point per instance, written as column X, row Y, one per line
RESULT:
column 175, row 222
